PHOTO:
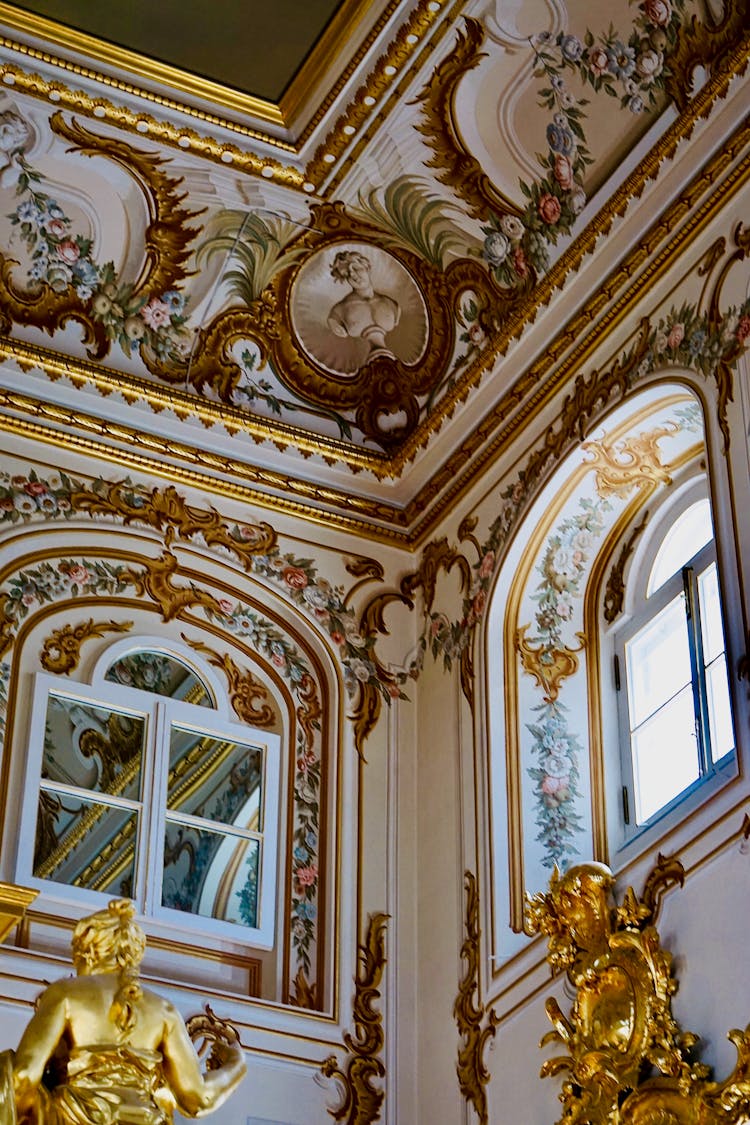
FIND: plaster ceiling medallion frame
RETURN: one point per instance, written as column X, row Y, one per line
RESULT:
column 373, row 350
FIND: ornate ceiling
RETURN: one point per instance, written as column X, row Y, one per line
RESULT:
column 344, row 301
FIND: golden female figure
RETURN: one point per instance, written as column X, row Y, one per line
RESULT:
column 110, row 1050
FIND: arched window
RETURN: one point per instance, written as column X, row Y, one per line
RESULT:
column 671, row 671
column 139, row 784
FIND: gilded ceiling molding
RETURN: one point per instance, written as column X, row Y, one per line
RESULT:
column 528, row 389
column 405, row 54
column 614, row 594
column 248, row 695
column 361, row 1102
column 621, row 1027
column 454, row 164
column 535, row 389
column 61, row 650
column 137, row 121
column 469, row 1011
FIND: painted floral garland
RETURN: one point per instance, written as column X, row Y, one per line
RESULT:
column 64, row 260
column 633, row 70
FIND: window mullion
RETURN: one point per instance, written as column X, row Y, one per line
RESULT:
column 695, row 641
column 154, row 804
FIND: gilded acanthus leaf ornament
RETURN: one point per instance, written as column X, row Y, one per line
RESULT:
column 156, row 581
column 362, row 1101
column 62, row 648
column 166, row 510
column 469, row 1011
column 101, row 1047
column 549, row 666
column 627, row 1061
column 621, row 466
column 247, row 694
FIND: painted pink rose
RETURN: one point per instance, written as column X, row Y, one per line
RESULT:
column 486, row 565
column 476, row 334
column 6, row 504
column 306, row 876
column 657, row 11
column 520, row 265
column 28, row 599
column 34, row 488
column 225, row 605
column 676, row 335
column 68, row 251
column 337, row 638
column 743, row 329
column 248, row 533
column 549, row 208
column 599, row 61
column 394, row 691
column 478, row 604
column 56, row 227
column 78, row 574
column 556, row 788
column 294, row 577
column 156, row 314
column 563, row 171
column 278, row 659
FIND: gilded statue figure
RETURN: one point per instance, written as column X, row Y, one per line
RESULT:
column 101, row 1049
column 628, row 1062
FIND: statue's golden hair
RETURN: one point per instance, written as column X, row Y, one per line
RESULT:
column 110, row 941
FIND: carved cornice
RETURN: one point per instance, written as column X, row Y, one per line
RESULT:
column 362, row 1101
column 469, row 1011
column 61, row 651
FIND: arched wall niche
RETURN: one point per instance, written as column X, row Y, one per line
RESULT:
column 72, row 593
column 548, row 690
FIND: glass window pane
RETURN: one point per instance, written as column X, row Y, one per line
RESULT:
column 93, row 747
column 211, row 874
column 161, row 674
column 658, row 661
column 689, row 532
column 85, row 844
column 214, row 778
column 719, row 709
column 665, row 755
column 710, row 607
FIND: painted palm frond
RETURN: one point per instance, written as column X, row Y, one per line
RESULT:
column 410, row 217
column 255, row 249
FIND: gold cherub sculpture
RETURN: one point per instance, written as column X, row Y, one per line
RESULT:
column 102, row 1049
column 627, row 1061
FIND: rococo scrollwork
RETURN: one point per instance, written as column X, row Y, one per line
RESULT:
column 628, row 1062
column 469, row 1012
column 362, row 1101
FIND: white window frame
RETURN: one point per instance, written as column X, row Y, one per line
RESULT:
column 712, row 775
column 159, row 714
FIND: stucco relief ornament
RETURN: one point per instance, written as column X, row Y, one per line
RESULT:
column 628, row 1061
column 102, row 1048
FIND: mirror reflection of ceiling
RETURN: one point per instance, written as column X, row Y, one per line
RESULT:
column 254, row 47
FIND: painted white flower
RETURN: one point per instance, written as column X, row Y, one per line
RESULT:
column 512, row 226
